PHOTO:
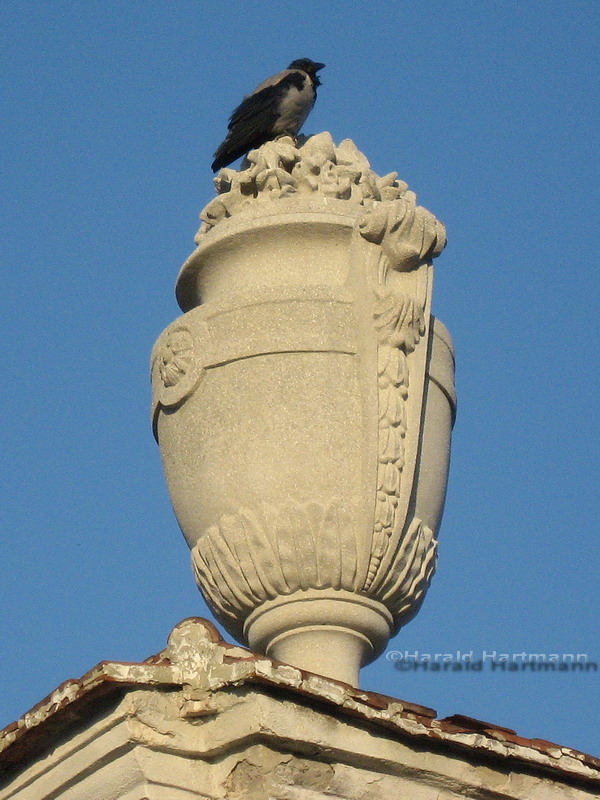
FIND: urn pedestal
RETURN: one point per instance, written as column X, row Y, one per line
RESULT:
column 303, row 405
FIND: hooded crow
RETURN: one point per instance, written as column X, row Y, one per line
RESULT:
column 278, row 107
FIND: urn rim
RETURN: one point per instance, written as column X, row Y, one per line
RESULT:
column 310, row 214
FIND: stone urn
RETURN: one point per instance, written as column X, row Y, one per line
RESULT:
column 303, row 404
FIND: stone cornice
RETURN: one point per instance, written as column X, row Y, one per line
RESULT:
column 199, row 662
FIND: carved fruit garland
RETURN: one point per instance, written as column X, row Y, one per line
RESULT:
column 406, row 235
column 400, row 324
column 284, row 167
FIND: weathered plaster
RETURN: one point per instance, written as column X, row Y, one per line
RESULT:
column 207, row 719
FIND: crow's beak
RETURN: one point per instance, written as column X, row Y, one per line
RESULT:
column 318, row 66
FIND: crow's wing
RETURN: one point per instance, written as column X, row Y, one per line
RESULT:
column 254, row 118
column 265, row 99
column 252, row 122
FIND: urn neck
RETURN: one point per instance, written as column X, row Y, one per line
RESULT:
column 325, row 650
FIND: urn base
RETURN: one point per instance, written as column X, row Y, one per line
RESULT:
column 329, row 632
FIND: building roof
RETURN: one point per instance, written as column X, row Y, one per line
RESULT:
column 198, row 661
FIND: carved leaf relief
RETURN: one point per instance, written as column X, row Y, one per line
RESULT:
column 402, row 586
column 400, row 323
column 251, row 557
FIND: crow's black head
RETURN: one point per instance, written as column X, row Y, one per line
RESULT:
column 312, row 67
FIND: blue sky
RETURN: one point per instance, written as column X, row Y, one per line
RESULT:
column 489, row 110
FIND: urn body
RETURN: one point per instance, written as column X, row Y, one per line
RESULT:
column 303, row 405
